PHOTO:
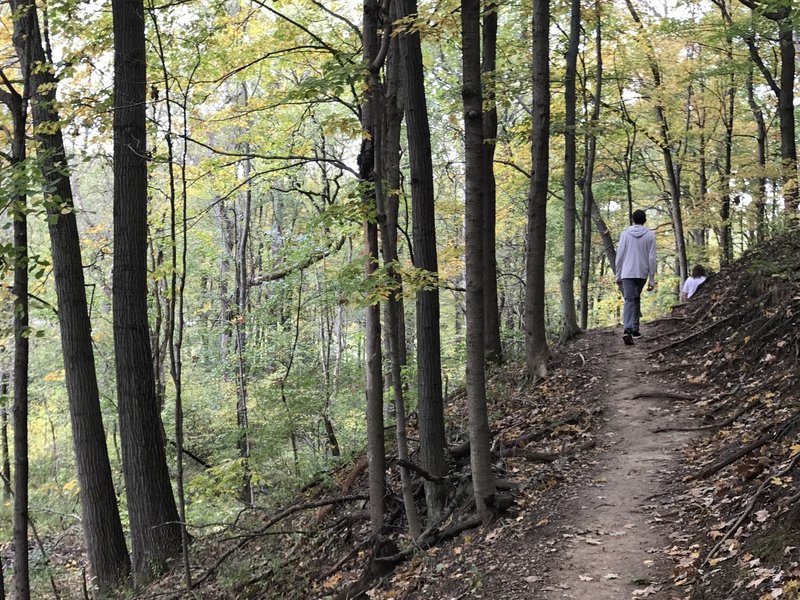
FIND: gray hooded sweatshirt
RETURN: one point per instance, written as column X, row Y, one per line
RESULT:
column 636, row 255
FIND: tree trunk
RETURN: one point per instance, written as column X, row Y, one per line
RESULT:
column 154, row 522
column 374, row 392
column 19, row 210
column 727, row 112
column 479, row 434
column 493, row 348
column 588, row 174
column 536, row 350
column 761, row 137
column 429, row 361
column 786, row 111
column 6, row 459
column 389, row 251
column 569, row 321
column 104, row 539
column 666, row 151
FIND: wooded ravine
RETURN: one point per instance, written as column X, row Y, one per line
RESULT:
column 308, row 299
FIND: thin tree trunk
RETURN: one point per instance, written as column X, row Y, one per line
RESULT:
column 429, row 360
column 666, row 151
column 175, row 321
column 102, row 528
column 6, row 459
column 569, row 321
column 761, row 137
column 374, row 392
column 588, row 173
column 479, row 434
column 493, row 348
column 536, row 349
column 17, row 105
column 389, row 250
column 727, row 111
column 154, row 522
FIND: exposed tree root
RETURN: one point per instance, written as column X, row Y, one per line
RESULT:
column 664, row 394
column 710, row 426
column 772, row 436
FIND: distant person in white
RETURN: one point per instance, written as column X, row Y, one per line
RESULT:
column 636, row 264
column 692, row 283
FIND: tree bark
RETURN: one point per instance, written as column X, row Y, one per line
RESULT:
column 154, row 522
column 374, row 380
column 588, row 174
column 569, row 321
column 17, row 105
column 5, row 459
column 761, row 137
column 429, row 361
column 389, row 251
column 493, row 348
column 479, row 434
column 536, row 349
column 670, row 167
column 102, row 528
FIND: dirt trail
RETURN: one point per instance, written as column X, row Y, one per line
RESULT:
column 616, row 532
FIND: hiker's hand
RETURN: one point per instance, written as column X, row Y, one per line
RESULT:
column 651, row 286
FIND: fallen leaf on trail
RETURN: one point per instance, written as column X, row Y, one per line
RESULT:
column 585, row 578
column 532, row 579
column 593, row 542
column 762, row 516
column 611, row 576
column 648, row 562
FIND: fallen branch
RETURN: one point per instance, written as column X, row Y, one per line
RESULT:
column 538, row 434
column 550, row 457
column 750, row 505
column 277, row 518
column 421, row 472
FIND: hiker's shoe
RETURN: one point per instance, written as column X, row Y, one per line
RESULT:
column 627, row 337
column 635, row 334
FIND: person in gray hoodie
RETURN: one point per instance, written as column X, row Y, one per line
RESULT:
column 636, row 266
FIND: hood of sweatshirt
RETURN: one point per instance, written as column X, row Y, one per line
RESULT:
column 637, row 230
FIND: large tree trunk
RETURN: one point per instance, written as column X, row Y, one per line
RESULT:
column 727, row 112
column 154, row 522
column 105, row 542
column 375, row 434
column 479, row 434
column 536, row 349
column 569, row 321
column 429, row 361
column 494, row 348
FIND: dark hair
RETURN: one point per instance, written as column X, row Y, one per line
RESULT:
column 699, row 271
column 639, row 216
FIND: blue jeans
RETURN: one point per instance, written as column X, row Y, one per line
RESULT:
column 632, row 311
